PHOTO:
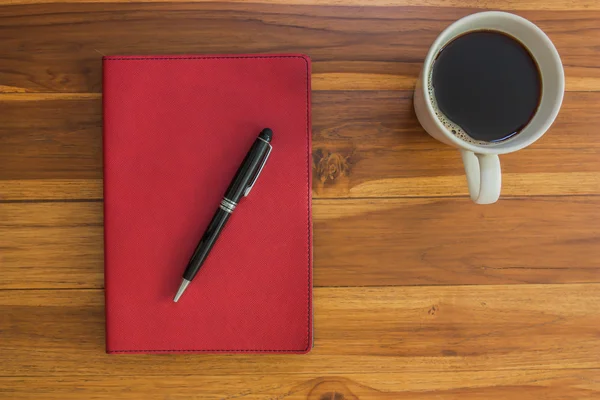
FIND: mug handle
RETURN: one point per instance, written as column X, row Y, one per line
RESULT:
column 483, row 176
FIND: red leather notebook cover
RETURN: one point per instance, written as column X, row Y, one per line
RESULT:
column 176, row 128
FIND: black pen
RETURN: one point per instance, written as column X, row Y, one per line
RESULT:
column 242, row 183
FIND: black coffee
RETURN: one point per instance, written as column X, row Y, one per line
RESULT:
column 488, row 84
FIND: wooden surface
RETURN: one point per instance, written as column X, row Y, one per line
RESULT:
column 419, row 293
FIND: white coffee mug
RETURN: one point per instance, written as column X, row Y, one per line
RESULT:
column 482, row 165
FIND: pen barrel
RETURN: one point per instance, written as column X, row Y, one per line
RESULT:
column 241, row 185
column 206, row 243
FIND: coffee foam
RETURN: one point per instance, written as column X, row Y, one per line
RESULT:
column 448, row 124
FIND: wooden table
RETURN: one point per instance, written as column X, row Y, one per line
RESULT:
column 419, row 294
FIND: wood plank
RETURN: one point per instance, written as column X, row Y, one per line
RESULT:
column 51, row 245
column 356, row 242
column 365, row 144
column 507, row 5
column 51, row 139
column 388, row 330
column 451, row 241
column 58, row 48
column 490, row 385
column 50, row 189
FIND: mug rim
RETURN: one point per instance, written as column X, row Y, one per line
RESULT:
column 439, row 43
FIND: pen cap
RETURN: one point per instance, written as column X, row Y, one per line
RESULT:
column 250, row 168
column 266, row 134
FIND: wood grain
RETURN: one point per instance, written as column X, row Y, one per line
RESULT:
column 387, row 330
column 356, row 242
column 50, row 189
column 59, row 49
column 510, row 5
column 448, row 241
column 47, row 245
column 365, row 144
column 472, row 385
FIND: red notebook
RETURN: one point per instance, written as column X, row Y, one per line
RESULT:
column 176, row 128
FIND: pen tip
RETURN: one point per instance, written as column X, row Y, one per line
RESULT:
column 182, row 287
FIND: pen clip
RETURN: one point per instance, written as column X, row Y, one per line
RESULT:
column 251, row 185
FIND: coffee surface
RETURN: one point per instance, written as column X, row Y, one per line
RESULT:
column 488, row 84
